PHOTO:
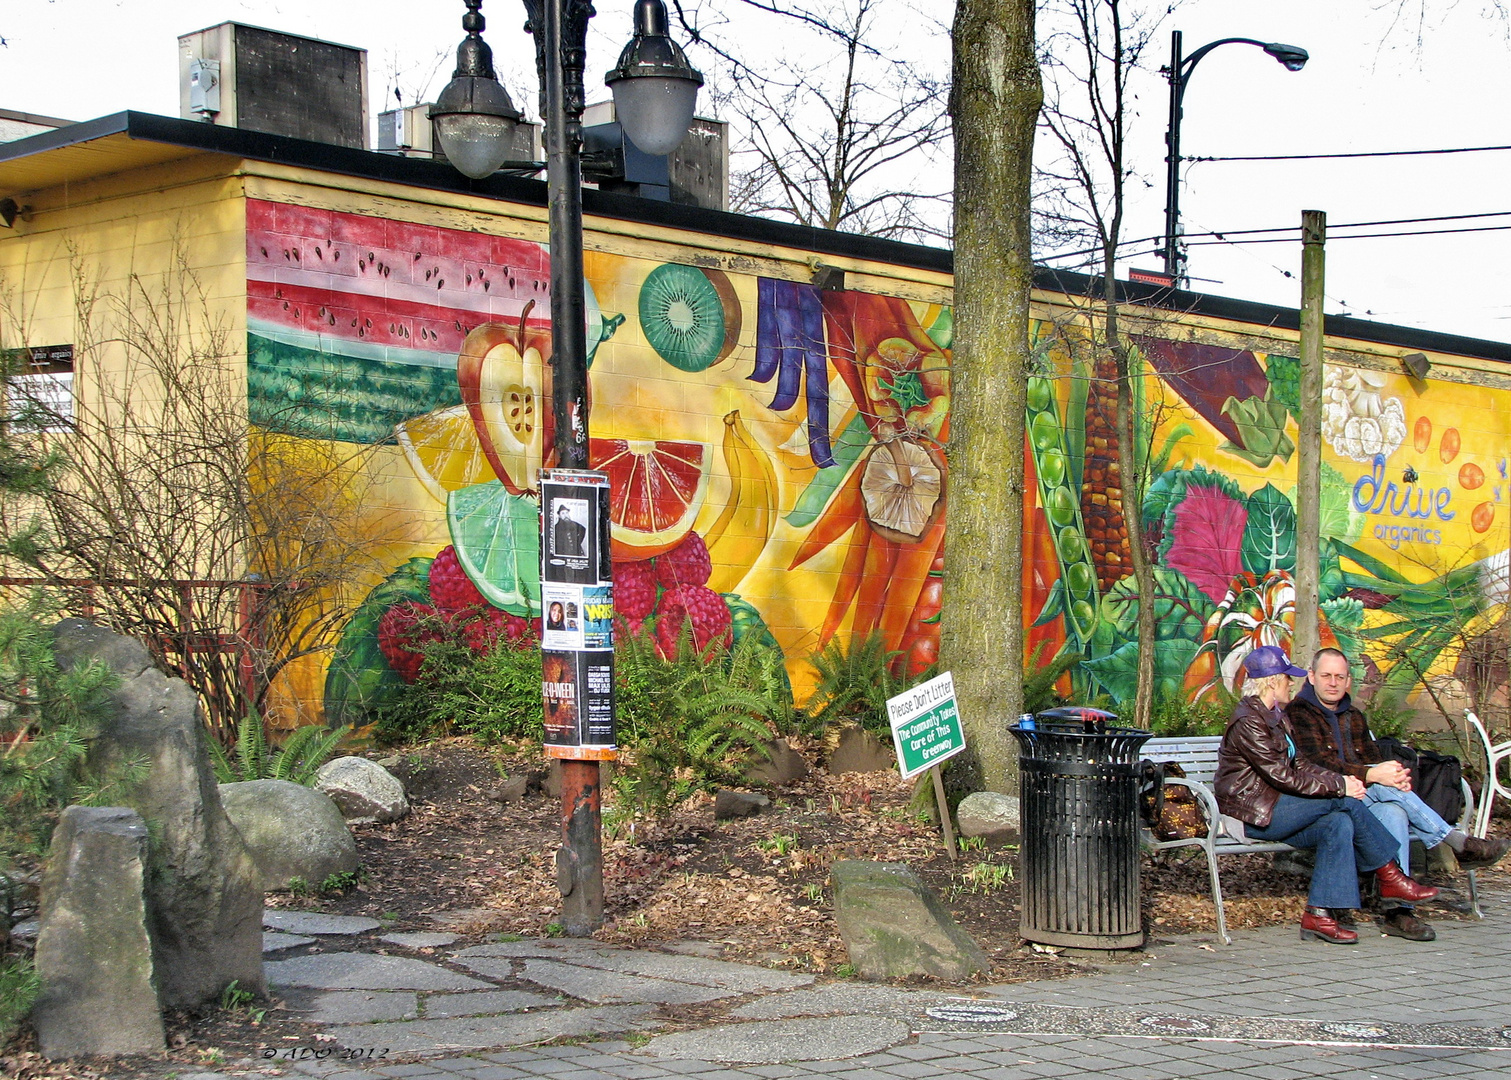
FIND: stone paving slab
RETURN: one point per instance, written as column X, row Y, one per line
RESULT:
column 353, row 1006
column 419, row 940
column 429, row 1037
column 847, row 997
column 746, row 978
column 773, row 1042
column 598, row 985
column 484, row 1003
column 565, row 949
column 277, row 941
column 364, row 971
column 313, row 922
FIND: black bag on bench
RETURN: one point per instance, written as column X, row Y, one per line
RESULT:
column 1436, row 778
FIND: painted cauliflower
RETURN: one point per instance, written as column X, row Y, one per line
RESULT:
column 1357, row 420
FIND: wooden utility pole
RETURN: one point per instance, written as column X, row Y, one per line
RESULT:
column 1304, row 642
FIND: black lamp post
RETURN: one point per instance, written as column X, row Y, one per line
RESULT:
column 1179, row 74
column 655, row 91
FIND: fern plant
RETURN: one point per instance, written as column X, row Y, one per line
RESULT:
column 688, row 724
column 297, row 760
column 854, row 681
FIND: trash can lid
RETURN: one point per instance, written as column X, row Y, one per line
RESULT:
column 1078, row 713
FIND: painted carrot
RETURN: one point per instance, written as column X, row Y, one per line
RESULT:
column 880, row 561
column 844, row 511
column 849, row 583
column 909, row 575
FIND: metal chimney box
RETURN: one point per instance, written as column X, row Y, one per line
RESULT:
column 262, row 80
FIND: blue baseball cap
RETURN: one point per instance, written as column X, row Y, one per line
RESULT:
column 1270, row 660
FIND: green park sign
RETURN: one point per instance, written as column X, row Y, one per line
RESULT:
column 926, row 725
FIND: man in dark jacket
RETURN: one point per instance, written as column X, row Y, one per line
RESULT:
column 1332, row 733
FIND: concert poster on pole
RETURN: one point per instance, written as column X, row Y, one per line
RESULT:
column 577, row 602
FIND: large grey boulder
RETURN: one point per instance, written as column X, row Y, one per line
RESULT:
column 204, row 892
column 366, row 792
column 292, row 831
column 94, row 956
column 988, row 814
column 893, row 926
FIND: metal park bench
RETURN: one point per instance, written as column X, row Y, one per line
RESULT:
column 1197, row 755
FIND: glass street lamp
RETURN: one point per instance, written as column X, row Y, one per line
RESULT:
column 655, row 88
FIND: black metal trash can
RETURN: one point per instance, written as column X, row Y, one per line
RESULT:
column 1079, row 816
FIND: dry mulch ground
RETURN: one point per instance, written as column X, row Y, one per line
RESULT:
column 753, row 889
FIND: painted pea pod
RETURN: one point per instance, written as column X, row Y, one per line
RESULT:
column 1062, row 509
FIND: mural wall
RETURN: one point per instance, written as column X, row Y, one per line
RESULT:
column 776, row 456
column 1414, row 515
column 774, row 451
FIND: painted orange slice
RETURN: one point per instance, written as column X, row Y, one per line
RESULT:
column 656, row 490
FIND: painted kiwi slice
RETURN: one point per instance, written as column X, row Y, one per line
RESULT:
column 690, row 316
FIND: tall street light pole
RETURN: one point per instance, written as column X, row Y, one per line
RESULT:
column 655, row 92
column 1179, row 74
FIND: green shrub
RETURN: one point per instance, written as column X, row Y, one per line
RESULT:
column 496, row 697
column 1390, row 715
column 47, row 717
column 1176, row 716
column 1039, row 691
column 297, row 760
column 18, row 990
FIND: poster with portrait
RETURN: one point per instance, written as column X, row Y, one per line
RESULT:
column 577, row 600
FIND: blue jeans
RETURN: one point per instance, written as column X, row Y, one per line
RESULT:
column 1348, row 839
column 1407, row 818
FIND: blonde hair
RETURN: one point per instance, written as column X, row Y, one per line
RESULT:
column 1256, row 687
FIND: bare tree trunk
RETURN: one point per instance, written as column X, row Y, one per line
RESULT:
column 1132, row 481
column 995, row 104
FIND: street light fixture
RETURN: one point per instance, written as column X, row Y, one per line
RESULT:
column 655, row 92
column 1291, row 57
column 655, row 88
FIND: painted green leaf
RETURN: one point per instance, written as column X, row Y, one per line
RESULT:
column 1269, row 538
column 1180, row 613
column 848, row 447
column 359, row 679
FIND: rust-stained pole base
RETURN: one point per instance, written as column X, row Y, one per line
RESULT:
column 579, row 860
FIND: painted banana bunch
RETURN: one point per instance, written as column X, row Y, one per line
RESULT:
column 738, row 535
column 1076, row 592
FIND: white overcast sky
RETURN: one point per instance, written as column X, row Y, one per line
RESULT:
column 1368, row 87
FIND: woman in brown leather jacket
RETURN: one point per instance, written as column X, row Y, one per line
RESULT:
column 1281, row 797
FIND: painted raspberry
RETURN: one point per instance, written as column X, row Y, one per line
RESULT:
column 520, row 632
column 450, row 590
column 686, row 564
column 634, row 590
column 482, row 629
column 706, row 610
column 404, row 631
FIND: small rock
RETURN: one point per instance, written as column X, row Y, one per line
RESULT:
column 366, row 792
column 989, row 814
column 860, row 752
column 782, row 767
column 511, row 790
column 738, row 804
column 292, row 831
column 893, row 926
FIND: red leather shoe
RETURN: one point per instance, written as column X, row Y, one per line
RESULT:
column 1395, row 885
column 1317, row 924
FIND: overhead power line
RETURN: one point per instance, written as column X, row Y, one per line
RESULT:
column 1357, row 154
